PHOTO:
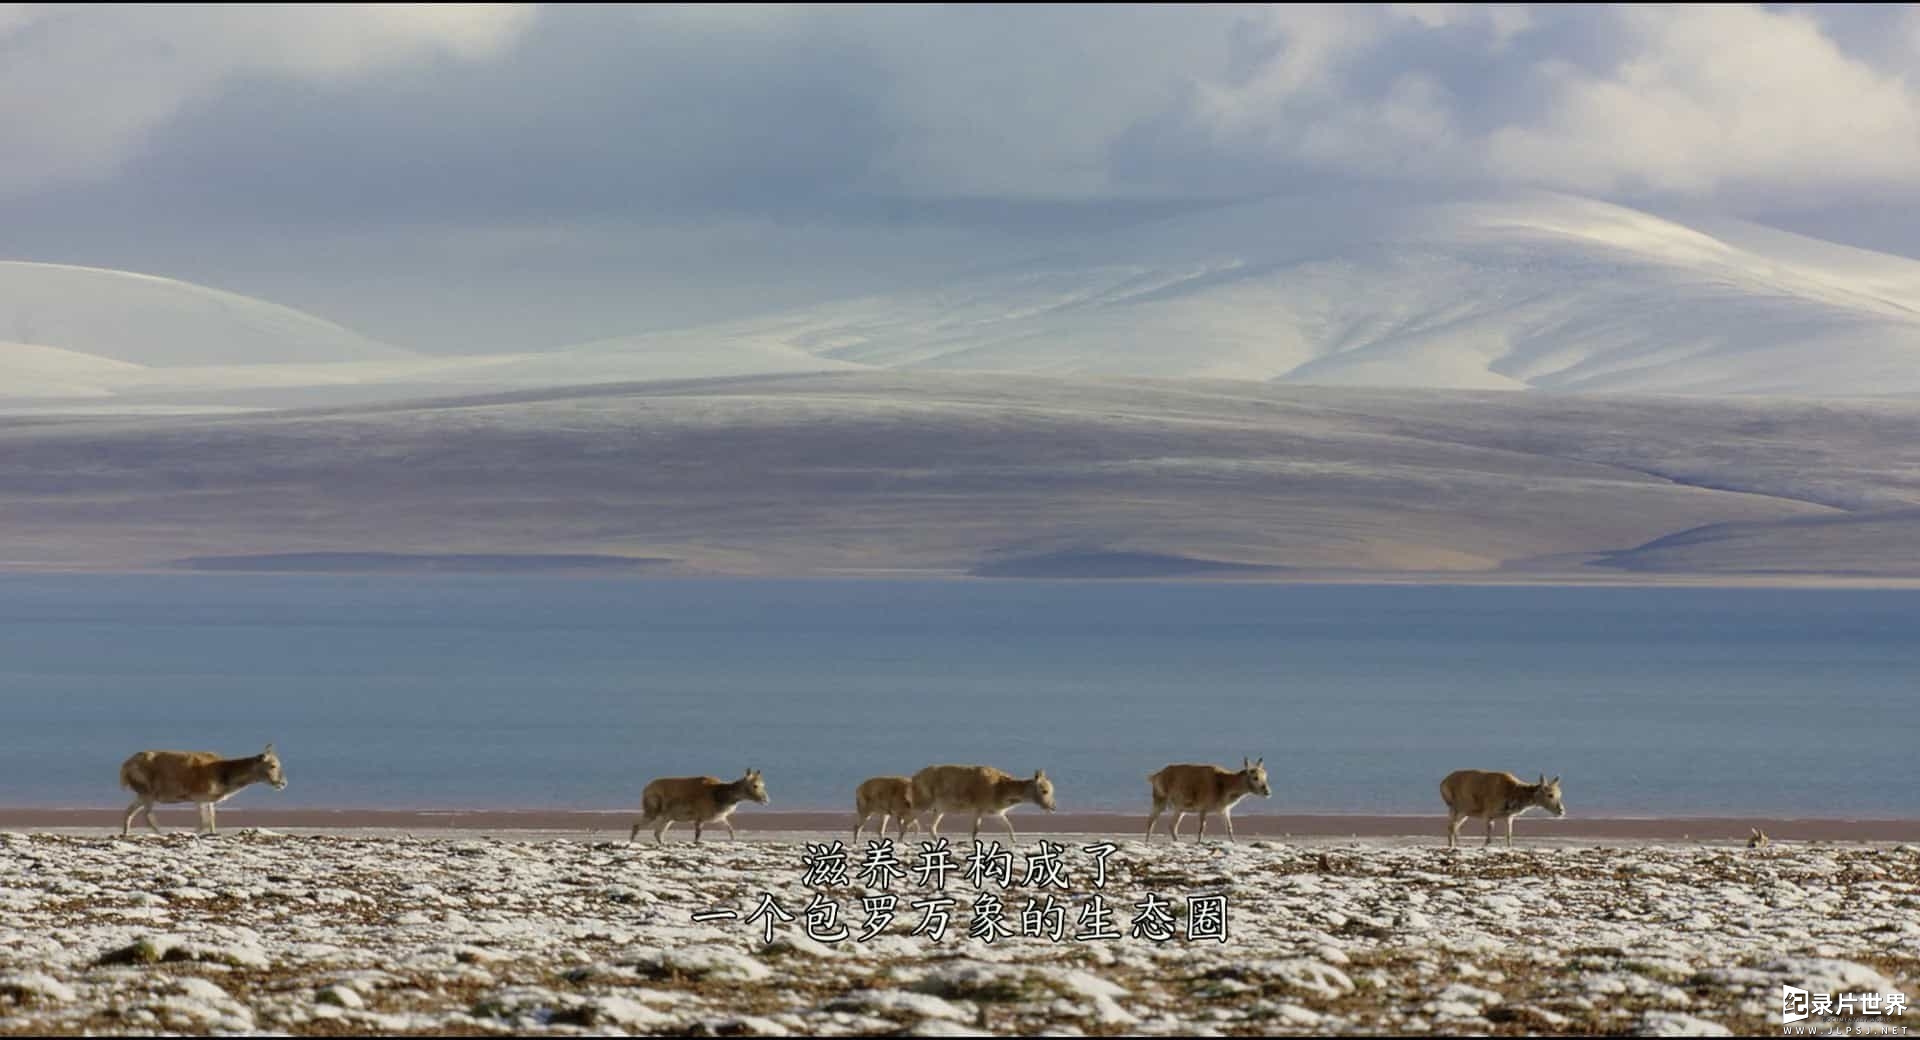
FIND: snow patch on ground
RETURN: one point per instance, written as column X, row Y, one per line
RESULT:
column 406, row 935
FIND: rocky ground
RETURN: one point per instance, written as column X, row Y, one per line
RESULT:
column 349, row 934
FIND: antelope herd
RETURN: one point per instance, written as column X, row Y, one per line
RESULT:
column 204, row 778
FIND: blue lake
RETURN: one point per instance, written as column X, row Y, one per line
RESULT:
column 542, row 692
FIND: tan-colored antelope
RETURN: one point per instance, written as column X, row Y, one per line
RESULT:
column 980, row 790
column 885, row 797
column 697, row 799
column 1759, row 839
column 172, row 777
column 1495, row 796
column 1204, row 789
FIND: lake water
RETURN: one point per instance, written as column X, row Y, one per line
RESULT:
column 541, row 692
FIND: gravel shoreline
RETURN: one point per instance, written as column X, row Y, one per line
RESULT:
column 600, row 825
column 338, row 934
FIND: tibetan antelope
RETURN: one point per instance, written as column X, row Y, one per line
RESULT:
column 698, row 799
column 1495, row 796
column 884, row 796
column 1204, row 789
column 172, row 777
column 980, row 790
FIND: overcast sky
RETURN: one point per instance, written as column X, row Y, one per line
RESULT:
column 492, row 178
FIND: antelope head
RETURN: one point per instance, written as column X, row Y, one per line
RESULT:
column 1255, row 773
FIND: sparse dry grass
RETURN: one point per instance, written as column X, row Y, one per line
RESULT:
column 466, row 937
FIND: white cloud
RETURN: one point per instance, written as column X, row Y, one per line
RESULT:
column 1046, row 102
column 1718, row 96
column 1502, row 21
column 1023, row 103
column 1676, row 101
column 81, row 86
column 16, row 16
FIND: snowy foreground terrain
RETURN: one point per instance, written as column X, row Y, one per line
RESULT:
column 253, row 931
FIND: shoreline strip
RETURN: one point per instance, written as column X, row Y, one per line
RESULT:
column 1258, row 825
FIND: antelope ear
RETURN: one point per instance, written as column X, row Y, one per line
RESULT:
column 1039, row 774
column 1261, row 761
column 1556, row 779
column 269, row 749
column 1543, row 780
column 1245, row 762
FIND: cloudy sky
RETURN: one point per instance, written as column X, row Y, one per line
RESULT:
column 493, row 178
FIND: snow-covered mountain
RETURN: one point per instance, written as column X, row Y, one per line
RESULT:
column 30, row 370
column 1511, row 292
column 1537, row 291
column 161, row 323
column 79, row 334
column 84, row 334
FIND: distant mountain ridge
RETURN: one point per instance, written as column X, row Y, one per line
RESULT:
column 895, row 473
column 1517, row 291
column 1529, row 292
column 160, row 322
